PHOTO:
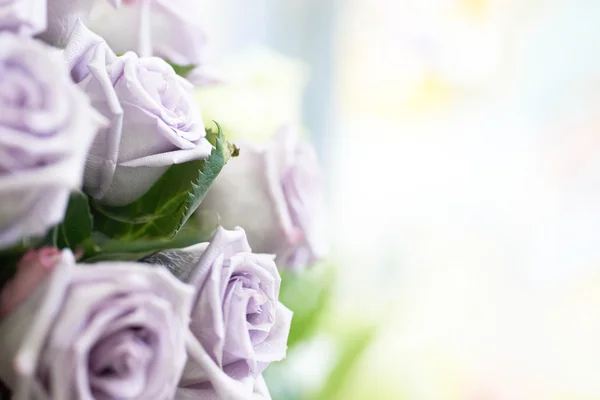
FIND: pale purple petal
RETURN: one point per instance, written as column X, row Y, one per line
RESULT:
column 46, row 128
column 62, row 16
column 23, row 17
column 203, row 76
column 273, row 348
column 215, row 379
column 260, row 392
column 166, row 28
column 302, row 184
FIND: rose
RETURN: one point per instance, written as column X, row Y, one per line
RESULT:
column 237, row 319
column 165, row 28
column 62, row 16
column 275, row 193
column 46, row 128
column 155, row 122
column 26, row 17
column 112, row 330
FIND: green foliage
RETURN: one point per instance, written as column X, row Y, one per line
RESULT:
column 166, row 207
column 182, row 70
column 308, row 294
column 76, row 229
column 8, row 263
column 352, row 348
column 107, row 249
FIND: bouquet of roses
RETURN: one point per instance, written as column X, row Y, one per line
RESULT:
column 139, row 249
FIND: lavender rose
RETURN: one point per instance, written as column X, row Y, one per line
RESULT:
column 111, row 331
column 239, row 325
column 154, row 121
column 275, row 193
column 24, row 17
column 46, row 128
column 164, row 28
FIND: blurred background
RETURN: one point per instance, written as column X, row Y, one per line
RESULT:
column 461, row 144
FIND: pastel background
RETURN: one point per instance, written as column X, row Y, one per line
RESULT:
column 461, row 140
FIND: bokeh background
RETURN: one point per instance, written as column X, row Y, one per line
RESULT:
column 461, row 144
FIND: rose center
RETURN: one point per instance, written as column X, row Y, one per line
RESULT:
column 257, row 300
column 119, row 362
column 18, row 89
column 166, row 91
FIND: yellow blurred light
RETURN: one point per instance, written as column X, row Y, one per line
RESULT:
column 475, row 8
column 431, row 93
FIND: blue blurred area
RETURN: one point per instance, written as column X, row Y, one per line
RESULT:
column 305, row 30
column 557, row 64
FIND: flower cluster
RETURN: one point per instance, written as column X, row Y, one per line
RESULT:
column 127, row 227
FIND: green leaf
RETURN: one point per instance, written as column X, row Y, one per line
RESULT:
column 308, row 309
column 75, row 230
column 8, row 264
column 25, row 244
column 353, row 346
column 170, row 202
column 195, row 231
column 76, row 227
column 182, row 70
